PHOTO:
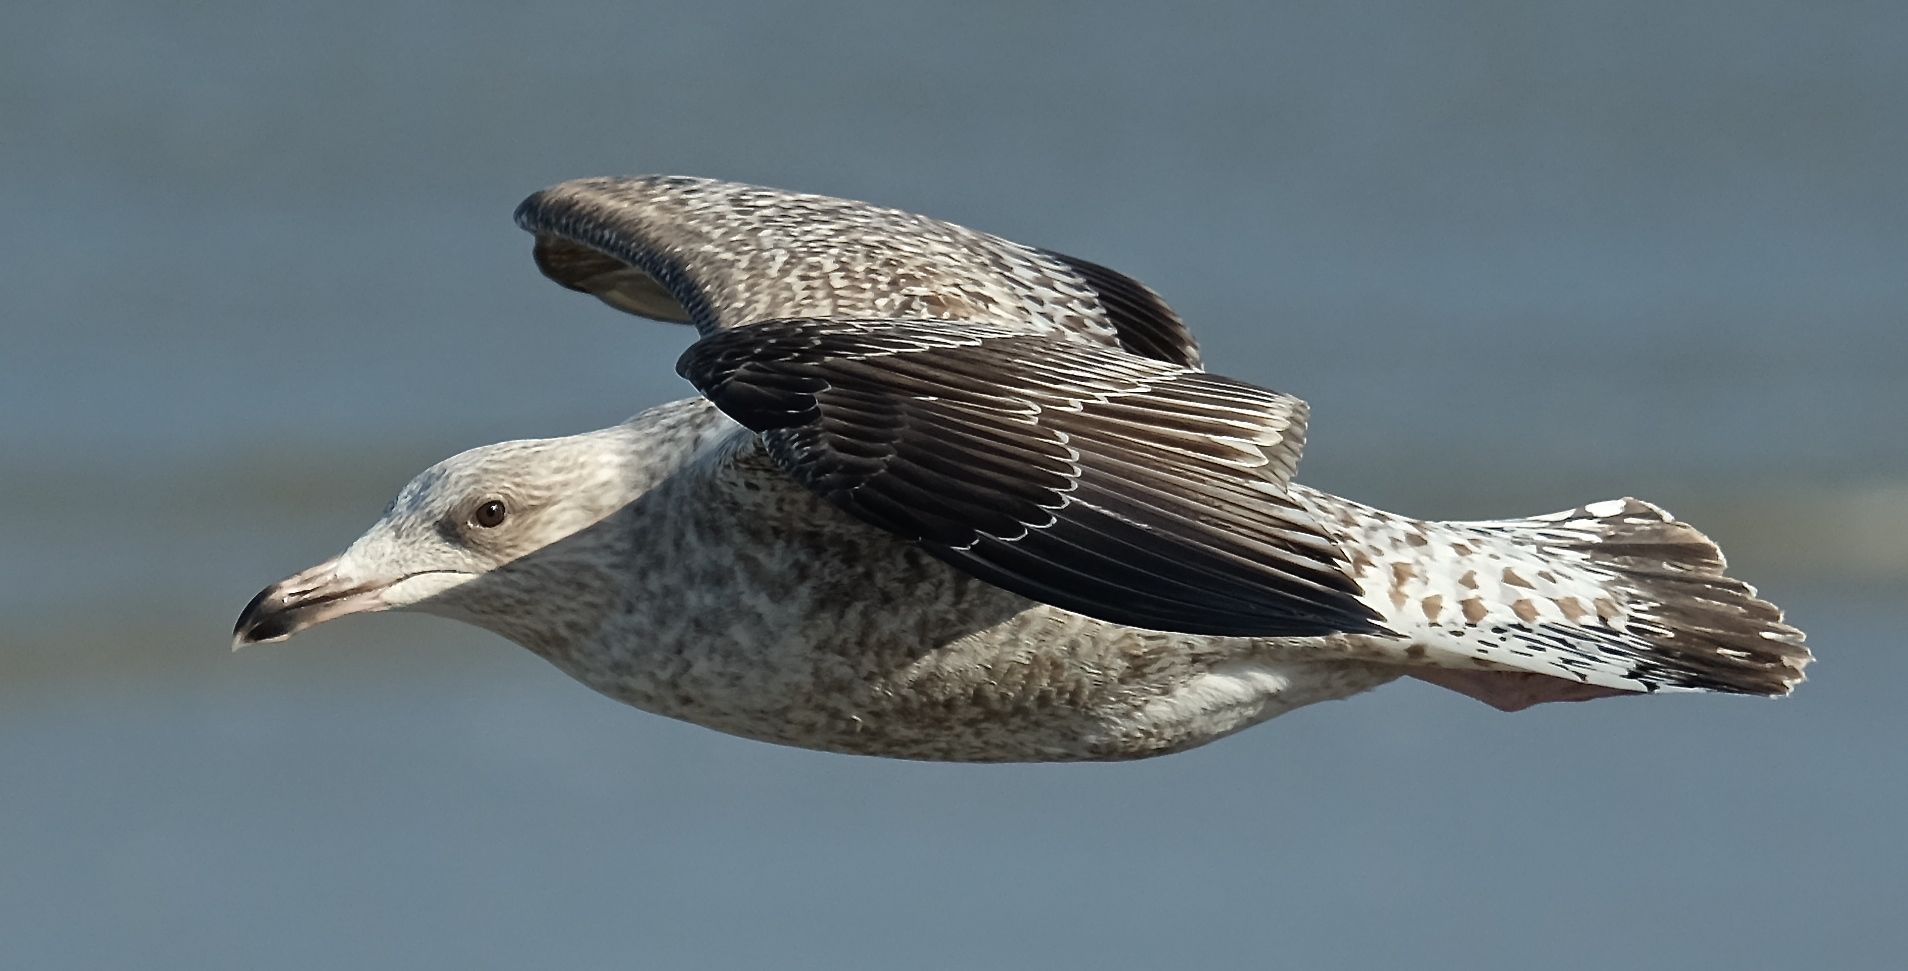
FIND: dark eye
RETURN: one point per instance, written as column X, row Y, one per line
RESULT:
column 490, row 514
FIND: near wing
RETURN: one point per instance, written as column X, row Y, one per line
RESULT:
column 721, row 255
column 1142, row 493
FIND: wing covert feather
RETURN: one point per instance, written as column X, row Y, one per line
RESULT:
column 1128, row 489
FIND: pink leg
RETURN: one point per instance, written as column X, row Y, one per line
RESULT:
column 1513, row 690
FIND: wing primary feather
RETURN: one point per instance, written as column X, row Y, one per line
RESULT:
column 1145, row 324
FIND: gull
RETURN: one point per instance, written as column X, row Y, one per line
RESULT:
column 946, row 496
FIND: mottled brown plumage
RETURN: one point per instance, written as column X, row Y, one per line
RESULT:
column 983, row 505
column 722, row 255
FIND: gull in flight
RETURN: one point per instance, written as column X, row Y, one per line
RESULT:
column 947, row 496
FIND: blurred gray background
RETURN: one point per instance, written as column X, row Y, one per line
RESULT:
column 259, row 269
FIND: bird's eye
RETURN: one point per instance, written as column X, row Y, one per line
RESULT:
column 490, row 514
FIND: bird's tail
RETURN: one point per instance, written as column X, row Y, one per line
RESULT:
column 1699, row 627
column 1615, row 594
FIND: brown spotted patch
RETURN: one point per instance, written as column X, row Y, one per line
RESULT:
column 1402, row 573
column 1462, row 549
column 1607, row 610
column 1468, row 580
column 1361, row 562
column 1525, row 610
column 1473, row 609
column 1572, row 608
column 1416, row 538
column 1546, row 576
column 1511, row 577
column 1414, row 650
column 1432, row 606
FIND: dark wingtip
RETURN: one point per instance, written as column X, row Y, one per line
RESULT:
column 1142, row 320
column 525, row 213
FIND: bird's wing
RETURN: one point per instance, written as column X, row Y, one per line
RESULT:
column 720, row 255
column 1139, row 492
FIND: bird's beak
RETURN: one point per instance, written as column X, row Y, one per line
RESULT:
column 307, row 599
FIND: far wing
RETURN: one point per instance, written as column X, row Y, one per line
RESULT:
column 721, row 255
column 1138, row 492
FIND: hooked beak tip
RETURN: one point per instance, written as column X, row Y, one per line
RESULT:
column 297, row 602
column 255, row 621
column 270, row 616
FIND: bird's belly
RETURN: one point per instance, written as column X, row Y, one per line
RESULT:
column 903, row 657
column 839, row 637
column 882, row 655
column 812, row 629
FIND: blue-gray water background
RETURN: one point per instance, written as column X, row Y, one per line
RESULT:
column 259, row 269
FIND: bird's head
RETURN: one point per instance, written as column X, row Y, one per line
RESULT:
column 474, row 537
